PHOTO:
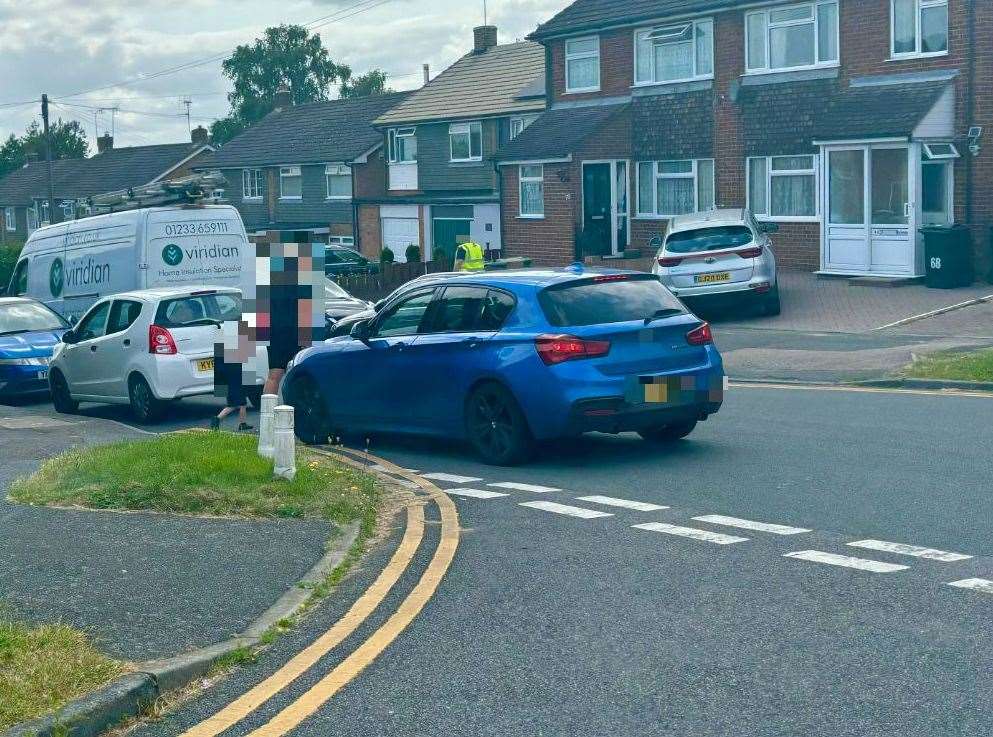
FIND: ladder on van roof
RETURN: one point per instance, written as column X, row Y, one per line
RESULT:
column 196, row 189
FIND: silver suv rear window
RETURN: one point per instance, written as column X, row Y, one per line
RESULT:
column 709, row 239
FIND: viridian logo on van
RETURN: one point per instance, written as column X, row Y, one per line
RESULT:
column 172, row 254
column 56, row 277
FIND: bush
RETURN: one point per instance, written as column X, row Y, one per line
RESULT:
column 8, row 257
column 413, row 254
column 387, row 257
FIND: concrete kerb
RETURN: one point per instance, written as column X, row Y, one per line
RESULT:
column 133, row 693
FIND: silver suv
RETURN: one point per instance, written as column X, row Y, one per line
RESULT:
column 722, row 253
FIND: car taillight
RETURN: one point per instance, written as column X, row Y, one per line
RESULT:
column 668, row 261
column 750, row 252
column 160, row 341
column 555, row 349
column 700, row 336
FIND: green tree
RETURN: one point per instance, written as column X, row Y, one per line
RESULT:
column 11, row 155
column 68, row 142
column 285, row 56
column 365, row 85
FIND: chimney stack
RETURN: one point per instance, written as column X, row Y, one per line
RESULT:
column 283, row 99
column 485, row 38
column 427, row 73
column 200, row 135
column 105, row 143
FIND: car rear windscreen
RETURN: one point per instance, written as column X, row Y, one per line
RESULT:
column 198, row 309
column 709, row 239
column 606, row 300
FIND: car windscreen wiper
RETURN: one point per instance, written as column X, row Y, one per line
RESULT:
column 200, row 323
column 664, row 312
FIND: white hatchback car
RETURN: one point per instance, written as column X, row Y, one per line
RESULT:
column 720, row 254
column 143, row 348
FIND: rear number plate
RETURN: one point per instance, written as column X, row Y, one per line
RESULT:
column 206, row 364
column 712, row 278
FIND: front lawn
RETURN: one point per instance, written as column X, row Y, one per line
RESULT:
column 197, row 473
column 976, row 366
column 43, row 667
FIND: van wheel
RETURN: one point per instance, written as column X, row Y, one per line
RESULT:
column 144, row 406
column 668, row 433
column 311, row 420
column 61, row 396
column 496, row 426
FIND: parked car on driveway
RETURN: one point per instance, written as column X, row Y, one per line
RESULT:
column 720, row 255
column 29, row 332
column 143, row 348
column 505, row 359
column 339, row 260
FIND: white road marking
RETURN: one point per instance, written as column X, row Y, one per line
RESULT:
column 474, row 493
column 566, row 509
column 524, row 487
column 691, row 532
column 747, row 524
column 845, row 561
column 917, row 552
column 610, row 501
column 976, row 584
column 451, row 478
column 412, row 470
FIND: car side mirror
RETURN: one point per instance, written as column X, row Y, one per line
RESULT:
column 655, row 242
column 361, row 330
column 769, row 227
column 68, row 337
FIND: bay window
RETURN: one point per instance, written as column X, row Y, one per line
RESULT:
column 338, row 178
column 290, row 183
column 919, row 27
column 532, row 190
column 403, row 145
column 792, row 37
column 670, row 188
column 466, row 141
column 674, row 53
column 582, row 64
column 782, row 187
column 252, row 184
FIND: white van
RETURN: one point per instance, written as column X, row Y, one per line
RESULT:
column 71, row 265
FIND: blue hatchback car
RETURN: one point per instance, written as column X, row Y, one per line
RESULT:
column 29, row 332
column 504, row 359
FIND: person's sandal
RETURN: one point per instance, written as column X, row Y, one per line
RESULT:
column 245, row 427
column 215, row 424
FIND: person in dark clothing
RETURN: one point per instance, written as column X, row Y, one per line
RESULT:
column 229, row 374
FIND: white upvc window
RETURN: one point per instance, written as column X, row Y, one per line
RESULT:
column 918, row 28
column 290, row 183
column 32, row 218
column 582, row 64
column 403, row 145
column 803, row 36
column 252, row 184
column 341, row 240
column 670, row 188
column 783, row 187
column 518, row 125
column 9, row 219
column 465, row 141
column 677, row 53
column 338, row 181
column 532, row 190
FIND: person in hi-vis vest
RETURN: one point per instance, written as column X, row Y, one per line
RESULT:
column 469, row 256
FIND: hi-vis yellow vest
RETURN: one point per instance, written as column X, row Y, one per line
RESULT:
column 474, row 258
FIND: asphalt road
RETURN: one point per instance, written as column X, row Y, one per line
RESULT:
column 553, row 624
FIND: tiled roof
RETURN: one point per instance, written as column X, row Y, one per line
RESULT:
column 586, row 15
column 505, row 79
column 679, row 125
column 558, row 133
column 20, row 186
column 315, row 133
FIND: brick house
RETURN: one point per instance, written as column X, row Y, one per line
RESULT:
column 851, row 123
column 24, row 192
column 303, row 167
column 442, row 184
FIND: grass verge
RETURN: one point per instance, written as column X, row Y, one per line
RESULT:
column 205, row 474
column 977, row 366
column 43, row 667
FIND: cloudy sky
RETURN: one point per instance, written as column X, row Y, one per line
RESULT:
column 89, row 54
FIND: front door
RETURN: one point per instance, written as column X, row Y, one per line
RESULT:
column 446, row 235
column 869, row 215
column 597, row 239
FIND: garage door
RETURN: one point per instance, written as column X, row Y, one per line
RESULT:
column 399, row 233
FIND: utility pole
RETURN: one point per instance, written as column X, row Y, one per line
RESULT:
column 486, row 19
column 52, row 210
column 188, row 101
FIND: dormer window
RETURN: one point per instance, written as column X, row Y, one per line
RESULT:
column 790, row 37
column 676, row 53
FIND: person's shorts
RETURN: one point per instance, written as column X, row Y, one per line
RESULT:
column 280, row 356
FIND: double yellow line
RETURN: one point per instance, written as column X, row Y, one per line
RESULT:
column 292, row 715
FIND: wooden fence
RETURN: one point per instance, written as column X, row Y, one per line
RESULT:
column 376, row 286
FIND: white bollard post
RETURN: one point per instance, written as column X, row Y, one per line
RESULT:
column 266, row 441
column 284, row 457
